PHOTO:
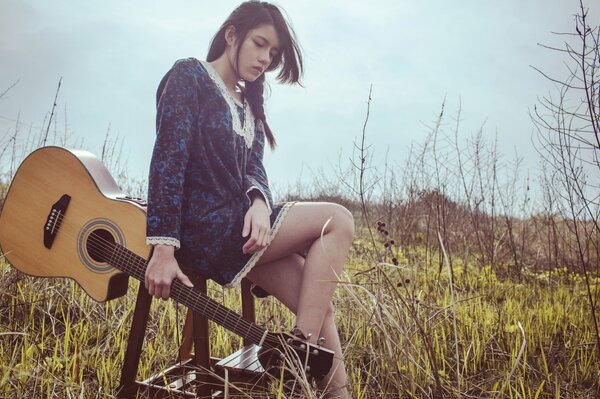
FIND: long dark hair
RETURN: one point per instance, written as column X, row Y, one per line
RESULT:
column 244, row 18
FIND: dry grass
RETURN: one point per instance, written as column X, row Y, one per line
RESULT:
column 396, row 323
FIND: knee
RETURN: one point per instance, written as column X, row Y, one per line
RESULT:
column 345, row 222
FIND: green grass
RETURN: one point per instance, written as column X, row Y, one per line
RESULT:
column 404, row 333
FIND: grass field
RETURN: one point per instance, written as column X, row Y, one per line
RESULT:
column 408, row 332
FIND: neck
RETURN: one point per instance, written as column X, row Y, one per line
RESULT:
column 224, row 68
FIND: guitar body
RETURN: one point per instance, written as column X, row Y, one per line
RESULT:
column 41, row 238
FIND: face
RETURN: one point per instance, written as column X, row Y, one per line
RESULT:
column 257, row 51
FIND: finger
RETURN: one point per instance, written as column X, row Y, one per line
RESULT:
column 250, row 249
column 166, row 291
column 184, row 279
column 256, row 246
column 259, row 241
column 248, row 244
column 265, row 240
column 256, row 237
column 150, row 288
column 247, row 224
column 146, row 279
column 157, row 291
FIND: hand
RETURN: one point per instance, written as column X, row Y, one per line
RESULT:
column 161, row 271
column 258, row 223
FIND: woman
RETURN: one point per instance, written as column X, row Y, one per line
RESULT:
column 209, row 204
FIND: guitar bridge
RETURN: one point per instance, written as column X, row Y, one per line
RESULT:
column 54, row 220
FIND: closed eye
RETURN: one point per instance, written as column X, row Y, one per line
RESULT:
column 261, row 45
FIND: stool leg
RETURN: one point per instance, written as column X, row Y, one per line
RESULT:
column 135, row 341
column 248, row 311
column 201, row 340
column 187, row 340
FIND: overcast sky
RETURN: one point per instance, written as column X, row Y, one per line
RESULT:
column 111, row 56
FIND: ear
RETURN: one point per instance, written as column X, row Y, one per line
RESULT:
column 230, row 35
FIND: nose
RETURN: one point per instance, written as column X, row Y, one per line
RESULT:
column 264, row 57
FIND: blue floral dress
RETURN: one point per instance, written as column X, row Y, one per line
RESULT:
column 207, row 159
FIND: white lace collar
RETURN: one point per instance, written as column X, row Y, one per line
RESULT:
column 247, row 131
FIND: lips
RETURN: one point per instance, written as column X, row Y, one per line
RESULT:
column 258, row 70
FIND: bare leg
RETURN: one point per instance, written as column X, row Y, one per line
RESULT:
column 327, row 229
column 281, row 278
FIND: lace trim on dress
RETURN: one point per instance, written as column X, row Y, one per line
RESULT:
column 245, row 130
column 256, row 256
column 262, row 193
column 164, row 241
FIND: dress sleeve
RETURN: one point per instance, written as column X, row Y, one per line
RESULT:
column 256, row 177
column 176, row 115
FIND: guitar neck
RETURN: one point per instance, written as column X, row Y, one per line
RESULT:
column 135, row 266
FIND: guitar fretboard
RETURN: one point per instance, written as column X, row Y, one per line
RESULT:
column 135, row 266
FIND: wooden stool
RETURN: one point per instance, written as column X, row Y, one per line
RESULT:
column 194, row 375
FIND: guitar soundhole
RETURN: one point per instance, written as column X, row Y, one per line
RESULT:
column 100, row 245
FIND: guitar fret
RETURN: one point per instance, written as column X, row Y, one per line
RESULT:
column 236, row 323
column 226, row 315
column 257, row 334
column 142, row 264
column 112, row 255
column 119, row 258
column 249, row 330
column 233, row 316
column 215, row 311
column 187, row 296
column 126, row 262
column 124, row 259
column 205, row 304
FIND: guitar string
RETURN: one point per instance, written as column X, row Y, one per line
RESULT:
column 104, row 246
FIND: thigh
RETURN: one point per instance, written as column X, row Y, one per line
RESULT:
column 303, row 224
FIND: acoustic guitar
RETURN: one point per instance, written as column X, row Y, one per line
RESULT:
column 65, row 216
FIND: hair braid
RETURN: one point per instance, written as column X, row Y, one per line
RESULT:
column 254, row 93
